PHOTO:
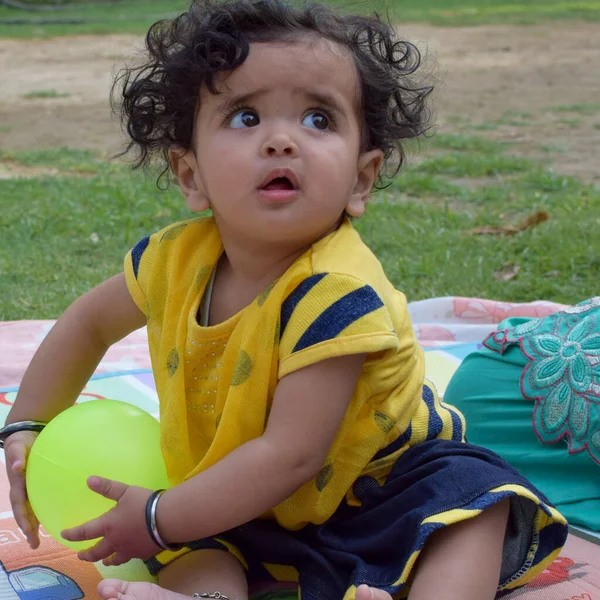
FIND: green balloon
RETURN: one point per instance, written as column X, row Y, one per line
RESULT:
column 107, row 438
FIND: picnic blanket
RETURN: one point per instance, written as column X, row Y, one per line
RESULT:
column 448, row 328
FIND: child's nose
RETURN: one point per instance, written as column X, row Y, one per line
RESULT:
column 279, row 144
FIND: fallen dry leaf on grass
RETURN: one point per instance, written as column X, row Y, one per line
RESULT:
column 531, row 221
column 507, row 272
column 27, row 304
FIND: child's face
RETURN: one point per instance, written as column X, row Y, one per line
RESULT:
column 276, row 154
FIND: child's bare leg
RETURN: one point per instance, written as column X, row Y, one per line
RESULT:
column 464, row 560
column 196, row 572
column 460, row 562
column 206, row 571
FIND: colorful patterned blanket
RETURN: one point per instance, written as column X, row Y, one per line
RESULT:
column 448, row 328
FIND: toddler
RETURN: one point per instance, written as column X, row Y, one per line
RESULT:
column 301, row 440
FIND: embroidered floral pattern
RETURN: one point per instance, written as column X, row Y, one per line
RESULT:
column 563, row 374
column 498, row 340
column 584, row 306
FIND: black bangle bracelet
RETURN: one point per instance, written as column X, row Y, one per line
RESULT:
column 151, row 506
column 11, row 428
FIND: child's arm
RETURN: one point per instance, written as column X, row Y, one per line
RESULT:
column 58, row 372
column 70, row 353
column 308, row 408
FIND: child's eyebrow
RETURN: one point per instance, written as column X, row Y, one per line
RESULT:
column 324, row 99
column 232, row 101
column 320, row 97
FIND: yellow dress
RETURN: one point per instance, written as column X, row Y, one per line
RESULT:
column 216, row 384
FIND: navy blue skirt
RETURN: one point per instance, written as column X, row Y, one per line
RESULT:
column 433, row 485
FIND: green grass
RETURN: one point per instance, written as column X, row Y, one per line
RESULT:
column 572, row 115
column 589, row 108
column 64, row 159
column 134, row 16
column 64, row 234
column 473, row 164
column 427, row 249
column 49, row 253
column 485, row 126
column 552, row 148
column 124, row 16
column 44, row 94
column 462, row 142
column 573, row 122
column 454, row 12
column 511, row 118
column 413, row 183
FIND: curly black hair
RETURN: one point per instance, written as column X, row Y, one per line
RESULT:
column 158, row 99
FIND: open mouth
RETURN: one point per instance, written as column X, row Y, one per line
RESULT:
column 279, row 186
column 280, row 180
column 279, row 183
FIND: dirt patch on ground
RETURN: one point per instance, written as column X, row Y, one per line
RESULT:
column 507, row 77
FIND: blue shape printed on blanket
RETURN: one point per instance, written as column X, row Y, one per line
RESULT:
column 37, row 583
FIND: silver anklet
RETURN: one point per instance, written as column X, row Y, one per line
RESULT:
column 216, row 595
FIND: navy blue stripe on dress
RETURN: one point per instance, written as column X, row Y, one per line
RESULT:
column 457, row 426
column 136, row 254
column 400, row 441
column 435, row 425
column 290, row 303
column 341, row 314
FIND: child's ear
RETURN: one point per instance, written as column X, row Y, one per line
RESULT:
column 185, row 169
column 368, row 167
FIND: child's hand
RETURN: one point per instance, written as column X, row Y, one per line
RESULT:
column 122, row 529
column 16, row 448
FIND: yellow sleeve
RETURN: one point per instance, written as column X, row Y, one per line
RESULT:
column 139, row 262
column 170, row 259
column 132, row 272
column 329, row 315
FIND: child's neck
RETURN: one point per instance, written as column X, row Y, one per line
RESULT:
column 247, row 268
column 255, row 263
column 243, row 273
column 257, row 268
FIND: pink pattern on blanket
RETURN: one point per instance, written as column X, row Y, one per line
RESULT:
column 458, row 320
column 434, row 333
column 20, row 339
column 491, row 311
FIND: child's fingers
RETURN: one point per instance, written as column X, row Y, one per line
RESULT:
column 16, row 453
column 34, row 524
column 90, row 530
column 114, row 560
column 24, row 516
column 18, row 467
column 111, row 588
column 113, row 490
column 364, row 592
column 18, row 498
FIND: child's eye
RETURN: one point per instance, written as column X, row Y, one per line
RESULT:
column 316, row 120
column 244, row 119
